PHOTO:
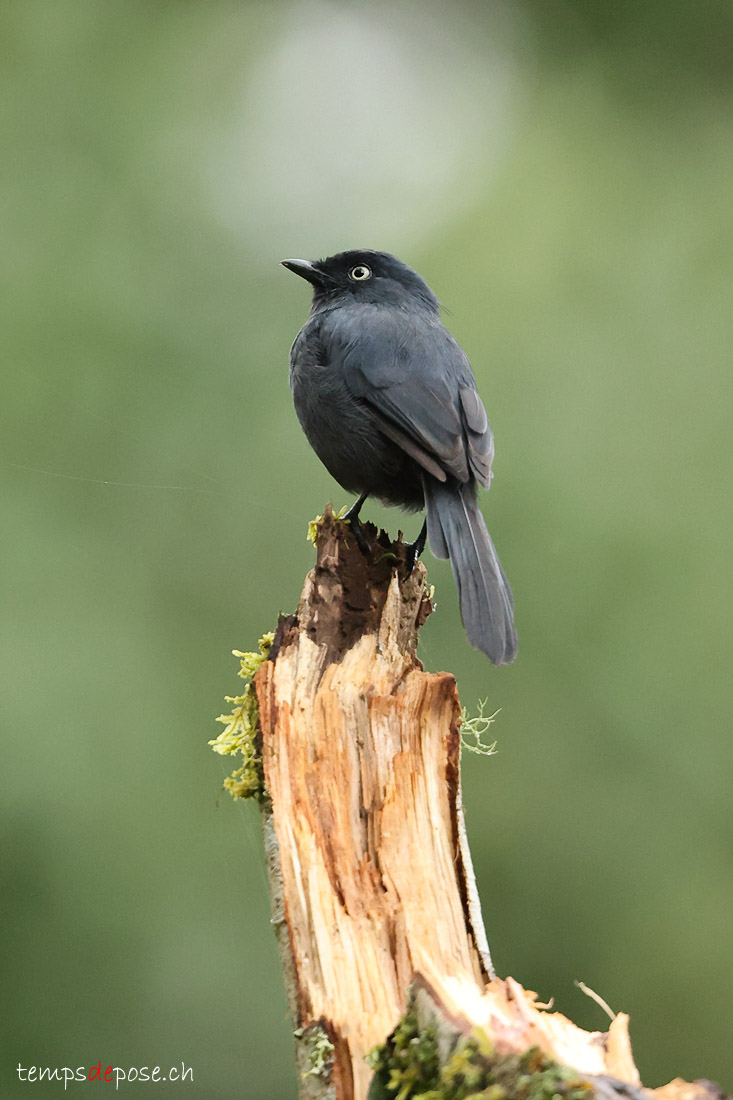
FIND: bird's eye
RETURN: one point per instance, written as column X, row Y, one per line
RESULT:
column 360, row 273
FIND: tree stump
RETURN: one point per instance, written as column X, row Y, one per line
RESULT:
column 373, row 895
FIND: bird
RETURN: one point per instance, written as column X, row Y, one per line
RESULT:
column 388, row 401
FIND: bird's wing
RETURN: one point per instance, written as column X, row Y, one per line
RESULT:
column 419, row 386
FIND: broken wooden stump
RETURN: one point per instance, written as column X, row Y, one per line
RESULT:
column 373, row 895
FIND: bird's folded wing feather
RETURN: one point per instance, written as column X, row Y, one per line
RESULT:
column 420, row 388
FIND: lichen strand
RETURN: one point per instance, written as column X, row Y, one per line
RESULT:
column 406, row 1067
column 241, row 727
column 474, row 730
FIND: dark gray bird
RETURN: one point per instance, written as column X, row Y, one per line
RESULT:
column 388, row 401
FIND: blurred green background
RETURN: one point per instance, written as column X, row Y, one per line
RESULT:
column 561, row 174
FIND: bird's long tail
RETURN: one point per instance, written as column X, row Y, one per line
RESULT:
column 456, row 530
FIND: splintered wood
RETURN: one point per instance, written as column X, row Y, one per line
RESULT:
column 361, row 752
column 373, row 891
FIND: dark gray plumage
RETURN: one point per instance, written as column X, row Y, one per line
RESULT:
column 388, row 401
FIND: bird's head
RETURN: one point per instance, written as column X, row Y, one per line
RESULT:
column 365, row 276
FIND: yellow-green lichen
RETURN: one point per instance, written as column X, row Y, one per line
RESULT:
column 473, row 730
column 319, row 1059
column 407, row 1067
column 240, row 727
column 312, row 533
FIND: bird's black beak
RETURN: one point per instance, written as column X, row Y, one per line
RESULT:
column 307, row 271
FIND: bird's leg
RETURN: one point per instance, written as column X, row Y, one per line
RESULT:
column 352, row 518
column 415, row 549
column 353, row 512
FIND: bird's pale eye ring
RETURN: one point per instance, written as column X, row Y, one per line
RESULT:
column 360, row 273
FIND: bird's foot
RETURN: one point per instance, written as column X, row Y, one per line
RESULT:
column 358, row 532
column 352, row 518
column 415, row 549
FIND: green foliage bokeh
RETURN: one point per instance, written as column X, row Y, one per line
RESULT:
column 561, row 174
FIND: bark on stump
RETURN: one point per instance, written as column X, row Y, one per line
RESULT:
column 373, row 895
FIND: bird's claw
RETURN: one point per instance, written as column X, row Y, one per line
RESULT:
column 415, row 549
column 411, row 559
column 358, row 532
column 352, row 518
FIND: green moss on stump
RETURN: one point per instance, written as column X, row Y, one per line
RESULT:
column 242, row 726
column 407, row 1067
